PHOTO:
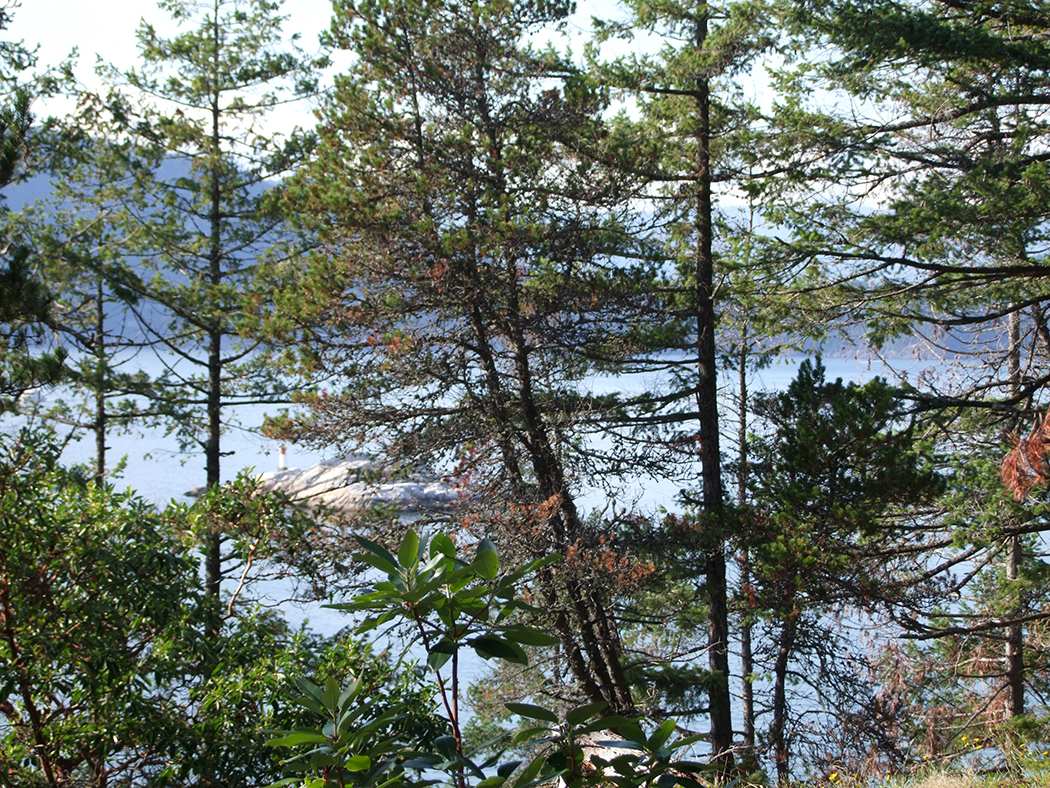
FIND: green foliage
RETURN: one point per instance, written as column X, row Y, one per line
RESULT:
column 25, row 301
column 92, row 594
column 836, row 461
column 477, row 263
column 944, row 249
column 451, row 603
column 838, row 486
column 179, row 223
column 114, row 663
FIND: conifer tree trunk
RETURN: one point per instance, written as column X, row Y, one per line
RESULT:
column 1013, row 652
column 747, row 666
column 213, row 546
column 721, row 734
column 101, row 415
column 778, row 729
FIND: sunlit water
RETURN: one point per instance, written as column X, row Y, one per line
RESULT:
column 158, row 471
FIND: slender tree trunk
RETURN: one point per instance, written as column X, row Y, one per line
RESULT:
column 778, row 729
column 101, row 421
column 213, row 546
column 1014, row 647
column 747, row 664
column 721, row 734
column 1014, row 650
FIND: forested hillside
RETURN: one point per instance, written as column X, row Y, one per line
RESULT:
column 525, row 251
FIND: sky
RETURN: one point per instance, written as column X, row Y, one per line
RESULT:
column 107, row 30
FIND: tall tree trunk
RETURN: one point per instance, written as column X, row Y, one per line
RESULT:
column 213, row 546
column 720, row 708
column 101, row 419
column 747, row 663
column 1014, row 647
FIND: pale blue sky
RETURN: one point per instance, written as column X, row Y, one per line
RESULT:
column 107, row 30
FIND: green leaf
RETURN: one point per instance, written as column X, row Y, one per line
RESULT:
column 532, row 712
column 408, row 553
column 349, row 693
column 387, row 567
column 632, row 733
column 376, row 551
column 493, row 647
column 576, row 716
column 357, row 763
column 486, row 561
column 667, row 780
column 319, row 760
column 507, row 769
column 530, row 735
column 422, row 762
column 298, row 738
column 685, row 741
column 330, row 698
column 442, row 545
column 661, row 735
column 308, row 688
column 446, row 745
column 440, row 654
column 311, row 704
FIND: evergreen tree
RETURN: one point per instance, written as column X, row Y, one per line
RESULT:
column 935, row 228
column 200, row 173
column 24, row 299
column 836, row 485
column 696, row 140
column 81, row 241
column 468, row 283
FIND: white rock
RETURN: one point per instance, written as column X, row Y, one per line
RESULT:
column 339, row 485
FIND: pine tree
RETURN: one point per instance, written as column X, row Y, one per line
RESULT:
column 836, row 481
column 24, row 299
column 698, row 136
column 468, row 283
column 201, row 170
column 80, row 240
column 935, row 229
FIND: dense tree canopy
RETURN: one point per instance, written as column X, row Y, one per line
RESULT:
column 469, row 279
column 522, row 270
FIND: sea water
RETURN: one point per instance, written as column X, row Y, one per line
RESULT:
column 158, row 470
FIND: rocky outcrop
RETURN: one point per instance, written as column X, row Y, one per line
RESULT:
column 353, row 483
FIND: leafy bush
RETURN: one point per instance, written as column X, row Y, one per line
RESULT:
column 451, row 603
